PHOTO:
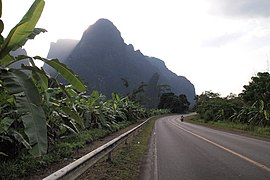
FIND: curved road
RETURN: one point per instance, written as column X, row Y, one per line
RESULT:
column 186, row 151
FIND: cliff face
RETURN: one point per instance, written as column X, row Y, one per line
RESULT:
column 61, row 49
column 178, row 84
column 101, row 58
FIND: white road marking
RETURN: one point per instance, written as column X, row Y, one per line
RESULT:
column 226, row 149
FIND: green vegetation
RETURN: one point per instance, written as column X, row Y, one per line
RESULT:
column 25, row 165
column 25, row 93
column 250, row 110
column 176, row 104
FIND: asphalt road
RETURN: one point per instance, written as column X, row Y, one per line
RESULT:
column 181, row 150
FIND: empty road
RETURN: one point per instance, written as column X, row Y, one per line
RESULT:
column 186, row 151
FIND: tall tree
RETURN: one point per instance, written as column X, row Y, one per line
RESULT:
column 177, row 104
column 258, row 89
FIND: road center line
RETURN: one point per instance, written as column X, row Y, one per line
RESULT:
column 226, row 149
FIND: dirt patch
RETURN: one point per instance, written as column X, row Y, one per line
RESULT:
column 42, row 173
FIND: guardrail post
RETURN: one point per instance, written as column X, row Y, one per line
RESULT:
column 109, row 156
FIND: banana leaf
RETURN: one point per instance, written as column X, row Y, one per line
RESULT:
column 65, row 72
column 23, row 30
column 28, row 104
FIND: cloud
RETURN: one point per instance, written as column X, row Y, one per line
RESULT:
column 241, row 8
column 221, row 40
column 261, row 31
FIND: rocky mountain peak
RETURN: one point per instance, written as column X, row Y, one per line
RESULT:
column 103, row 34
column 61, row 49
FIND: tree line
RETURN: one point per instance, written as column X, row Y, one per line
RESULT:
column 249, row 107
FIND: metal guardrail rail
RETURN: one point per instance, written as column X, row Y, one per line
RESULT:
column 78, row 167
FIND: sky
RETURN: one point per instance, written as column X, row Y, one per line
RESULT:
column 217, row 44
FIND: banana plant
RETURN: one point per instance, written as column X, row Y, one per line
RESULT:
column 29, row 84
column 19, row 84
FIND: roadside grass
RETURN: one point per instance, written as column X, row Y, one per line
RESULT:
column 23, row 166
column 126, row 160
column 244, row 129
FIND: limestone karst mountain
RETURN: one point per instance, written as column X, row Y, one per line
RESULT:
column 102, row 59
column 62, row 48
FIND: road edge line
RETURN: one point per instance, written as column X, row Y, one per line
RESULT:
column 226, row 149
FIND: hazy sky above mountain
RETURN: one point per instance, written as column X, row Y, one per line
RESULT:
column 217, row 44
